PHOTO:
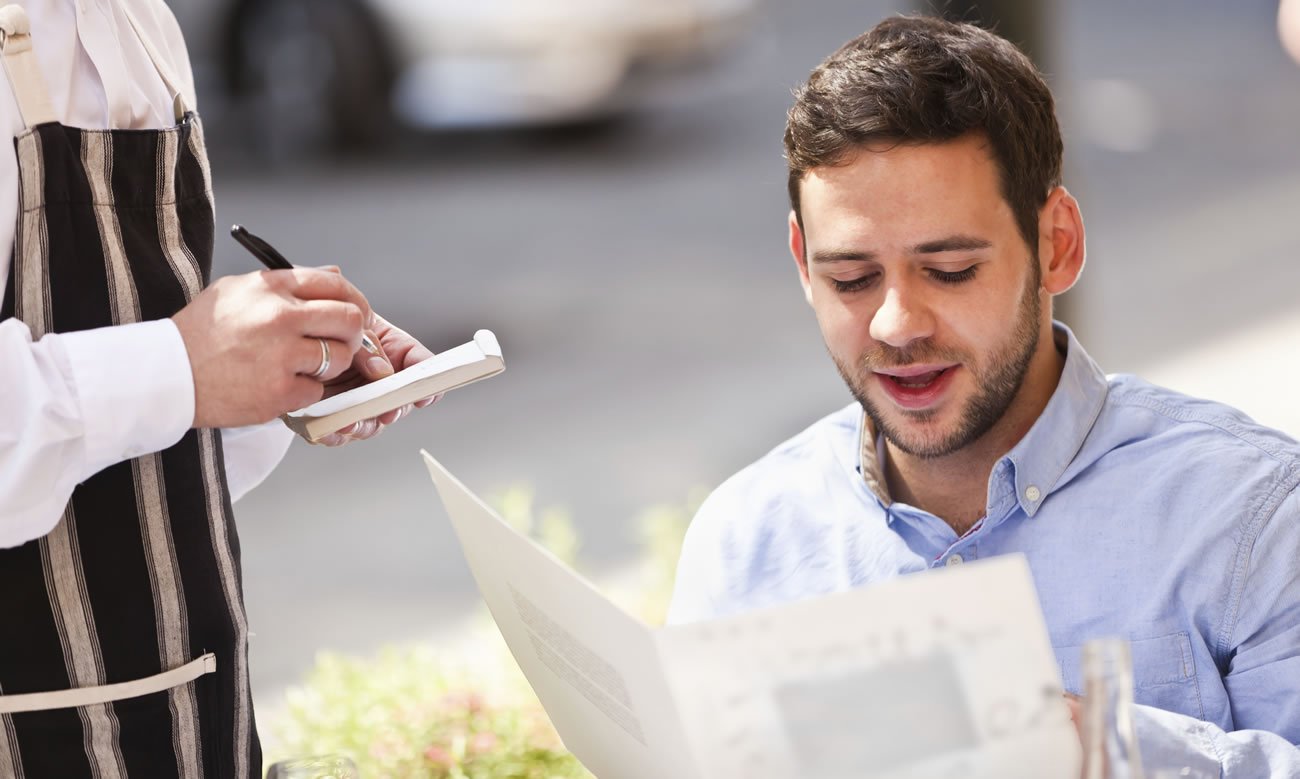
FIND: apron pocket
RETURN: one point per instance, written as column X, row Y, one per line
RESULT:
column 108, row 693
column 155, row 726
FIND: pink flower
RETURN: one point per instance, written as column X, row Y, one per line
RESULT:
column 438, row 756
column 470, row 702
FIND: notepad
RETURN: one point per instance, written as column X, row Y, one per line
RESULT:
column 458, row 367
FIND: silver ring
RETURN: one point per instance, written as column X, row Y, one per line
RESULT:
column 324, row 359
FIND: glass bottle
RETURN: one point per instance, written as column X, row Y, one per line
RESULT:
column 317, row 767
column 1110, row 748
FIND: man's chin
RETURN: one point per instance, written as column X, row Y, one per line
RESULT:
column 927, row 433
column 923, row 445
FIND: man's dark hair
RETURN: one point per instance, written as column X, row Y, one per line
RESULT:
column 916, row 79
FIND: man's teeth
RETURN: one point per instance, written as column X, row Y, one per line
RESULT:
column 918, row 381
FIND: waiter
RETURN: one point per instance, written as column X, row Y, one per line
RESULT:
column 123, row 378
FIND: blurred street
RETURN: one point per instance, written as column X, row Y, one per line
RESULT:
column 654, row 331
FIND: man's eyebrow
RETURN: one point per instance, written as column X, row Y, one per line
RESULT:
column 842, row 255
column 952, row 243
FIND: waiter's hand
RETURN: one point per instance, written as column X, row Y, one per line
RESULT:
column 254, row 342
column 1075, row 703
column 401, row 351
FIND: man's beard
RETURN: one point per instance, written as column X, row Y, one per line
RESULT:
column 996, row 384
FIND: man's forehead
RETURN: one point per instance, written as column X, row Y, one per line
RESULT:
column 969, row 155
column 943, row 187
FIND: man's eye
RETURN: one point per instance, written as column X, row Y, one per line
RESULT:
column 853, row 285
column 953, row 277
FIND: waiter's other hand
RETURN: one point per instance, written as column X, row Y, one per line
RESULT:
column 254, row 342
column 1075, row 704
column 401, row 351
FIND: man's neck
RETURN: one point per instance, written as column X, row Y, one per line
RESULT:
column 955, row 487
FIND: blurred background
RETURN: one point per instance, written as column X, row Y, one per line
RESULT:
column 600, row 182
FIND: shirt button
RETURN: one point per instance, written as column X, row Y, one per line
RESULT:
column 954, row 560
column 1032, row 494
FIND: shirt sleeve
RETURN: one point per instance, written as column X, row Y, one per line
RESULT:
column 73, row 404
column 252, row 453
column 697, row 579
column 1171, row 742
column 1263, row 679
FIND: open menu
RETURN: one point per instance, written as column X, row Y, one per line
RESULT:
column 946, row 673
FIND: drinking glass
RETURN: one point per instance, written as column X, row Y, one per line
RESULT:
column 315, row 767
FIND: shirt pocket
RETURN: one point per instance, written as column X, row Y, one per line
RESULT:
column 1164, row 673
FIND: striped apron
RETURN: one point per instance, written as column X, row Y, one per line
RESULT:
column 123, row 639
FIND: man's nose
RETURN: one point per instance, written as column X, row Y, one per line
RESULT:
column 903, row 317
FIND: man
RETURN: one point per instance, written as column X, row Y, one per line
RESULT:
column 1288, row 26
column 134, row 404
column 931, row 231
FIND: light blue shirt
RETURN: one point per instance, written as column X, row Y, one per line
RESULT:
column 1171, row 521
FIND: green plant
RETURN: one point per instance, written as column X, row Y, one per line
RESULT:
column 415, row 712
column 469, row 714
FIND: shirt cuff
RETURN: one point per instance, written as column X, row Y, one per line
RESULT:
column 252, row 453
column 1173, row 742
column 135, row 388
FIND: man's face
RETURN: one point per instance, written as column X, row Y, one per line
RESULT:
column 926, row 294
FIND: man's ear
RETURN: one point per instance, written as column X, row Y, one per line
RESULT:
column 798, row 251
column 1061, row 250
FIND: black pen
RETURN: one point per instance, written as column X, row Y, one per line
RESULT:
column 276, row 261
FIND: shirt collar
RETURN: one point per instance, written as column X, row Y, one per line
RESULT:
column 871, row 460
column 1038, row 461
column 1041, row 457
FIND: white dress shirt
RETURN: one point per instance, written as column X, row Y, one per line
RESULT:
column 73, row 404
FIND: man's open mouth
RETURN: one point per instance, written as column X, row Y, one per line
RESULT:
column 918, row 381
column 917, row 389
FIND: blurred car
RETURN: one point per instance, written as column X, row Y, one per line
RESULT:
column 349, row 68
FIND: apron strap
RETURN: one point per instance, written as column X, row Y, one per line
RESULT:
column 160, row 64
column 21, row 66
column 25, row 75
